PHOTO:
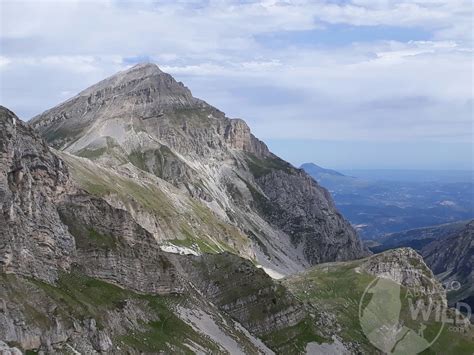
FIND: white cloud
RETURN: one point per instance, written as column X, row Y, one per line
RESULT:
column 372, row 89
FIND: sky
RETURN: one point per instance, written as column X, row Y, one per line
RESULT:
column 343, row 83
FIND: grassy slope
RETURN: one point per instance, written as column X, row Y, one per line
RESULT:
column 80, row 297
column 337, row 288
column 197, row 227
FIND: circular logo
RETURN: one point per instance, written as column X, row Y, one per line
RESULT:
column 395, row 316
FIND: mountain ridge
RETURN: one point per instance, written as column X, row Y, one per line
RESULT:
column 142, row 120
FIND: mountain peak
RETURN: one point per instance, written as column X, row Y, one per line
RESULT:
column 141, row 70
column 146, row 65
column 148, row 74
column 313, row 169
column 142, row 91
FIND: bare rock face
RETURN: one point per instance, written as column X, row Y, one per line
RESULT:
column 306, row 212
column 452, row 261
column 48, row 224
column 238, row 136
column 112, row 247
column 453, row 256
column 33, row 241
column 405, row 267
column 145, row 118
column 6, row 350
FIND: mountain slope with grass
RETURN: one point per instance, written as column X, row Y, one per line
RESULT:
column 337, row 294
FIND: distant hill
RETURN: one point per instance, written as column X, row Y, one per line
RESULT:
column 314, row 169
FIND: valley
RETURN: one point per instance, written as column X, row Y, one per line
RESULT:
column 382, row 202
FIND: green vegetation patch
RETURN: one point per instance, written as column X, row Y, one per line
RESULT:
column 262, row 166
column 154, row 160
column 293, row 340
column 92, row 153
column 111, row 148
column 337, row 288
column 79, row 297
column 87, row 237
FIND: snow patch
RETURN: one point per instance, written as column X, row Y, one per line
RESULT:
column 174, row 249
column 272, row 273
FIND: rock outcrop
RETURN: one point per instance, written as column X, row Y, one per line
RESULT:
column 245, row 292
column 403, row 266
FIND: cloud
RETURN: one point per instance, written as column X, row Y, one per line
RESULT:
column 371, row 86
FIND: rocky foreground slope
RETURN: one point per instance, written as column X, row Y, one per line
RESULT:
column 195, row 179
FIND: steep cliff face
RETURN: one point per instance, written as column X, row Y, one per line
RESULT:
column 33, row 241
column 453, row 256
column 452, row 261
column 48, row 224
column 143, row 119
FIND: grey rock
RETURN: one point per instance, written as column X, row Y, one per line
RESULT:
column 33, row 241
column 405, row 267
column 6, row 350
column 246, row 293
column 452, row 261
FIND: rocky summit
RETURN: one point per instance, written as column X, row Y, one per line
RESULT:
column 195, row 179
